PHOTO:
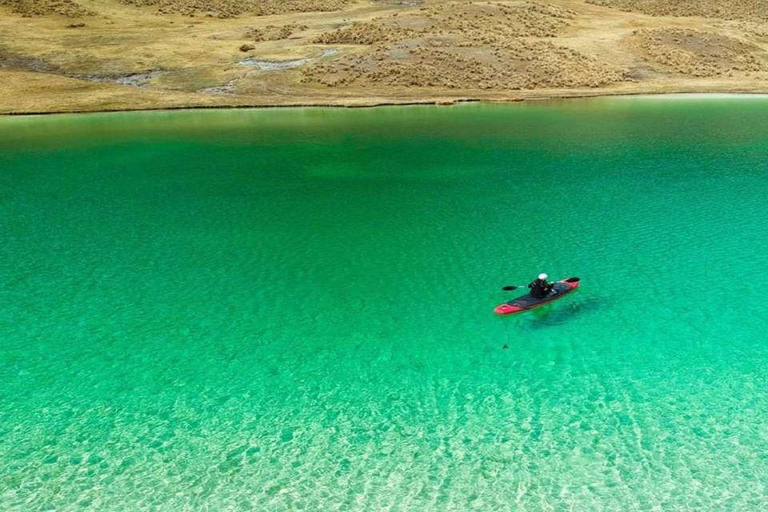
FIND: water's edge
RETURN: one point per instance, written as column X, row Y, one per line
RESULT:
column 440, row 102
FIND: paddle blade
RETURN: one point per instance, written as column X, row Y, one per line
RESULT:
column 510, row 288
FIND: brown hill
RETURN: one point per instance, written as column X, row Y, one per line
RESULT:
column 28, row 8
column 463, row 45
column 130, row 54
column 699, row 54
column 232, row 8
column 723, row 9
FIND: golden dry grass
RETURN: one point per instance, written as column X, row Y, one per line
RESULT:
column 699, row 54
column 516, row 66
column 479, row 22
column 127, row 54
column 484, row 46
column 232, row 8
column 723, row 9
column 28, row 8
column 274, row 32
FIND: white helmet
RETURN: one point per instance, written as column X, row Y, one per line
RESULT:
column 543, row 277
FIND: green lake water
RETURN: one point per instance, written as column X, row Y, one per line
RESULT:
column 292, row 309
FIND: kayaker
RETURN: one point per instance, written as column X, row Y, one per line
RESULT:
column 540, row 288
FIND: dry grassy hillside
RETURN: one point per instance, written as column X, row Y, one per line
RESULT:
column 232, row 8
column 463, row 46
column 217, row 8
column 699, row 54
column 724, row 9
column 73, row 55
column 68, row 8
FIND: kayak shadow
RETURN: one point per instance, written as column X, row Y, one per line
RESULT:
column 553, row 315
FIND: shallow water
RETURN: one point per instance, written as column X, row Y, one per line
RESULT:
column 292, row 310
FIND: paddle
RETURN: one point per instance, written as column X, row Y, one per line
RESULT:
column 515, row 287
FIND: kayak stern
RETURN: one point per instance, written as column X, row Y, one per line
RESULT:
column 506, row 309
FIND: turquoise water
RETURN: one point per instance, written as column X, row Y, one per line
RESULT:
column 292, row 310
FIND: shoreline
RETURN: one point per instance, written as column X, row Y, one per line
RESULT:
column 438, row 102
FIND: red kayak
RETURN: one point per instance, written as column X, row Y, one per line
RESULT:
column 559, row 290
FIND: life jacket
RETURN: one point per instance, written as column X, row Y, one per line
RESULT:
column 540, row 289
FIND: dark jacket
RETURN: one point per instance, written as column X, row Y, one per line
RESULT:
column 540, row 288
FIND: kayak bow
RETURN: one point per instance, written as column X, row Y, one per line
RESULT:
column 559, row 290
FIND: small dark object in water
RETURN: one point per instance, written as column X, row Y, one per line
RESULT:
column 505, row 346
